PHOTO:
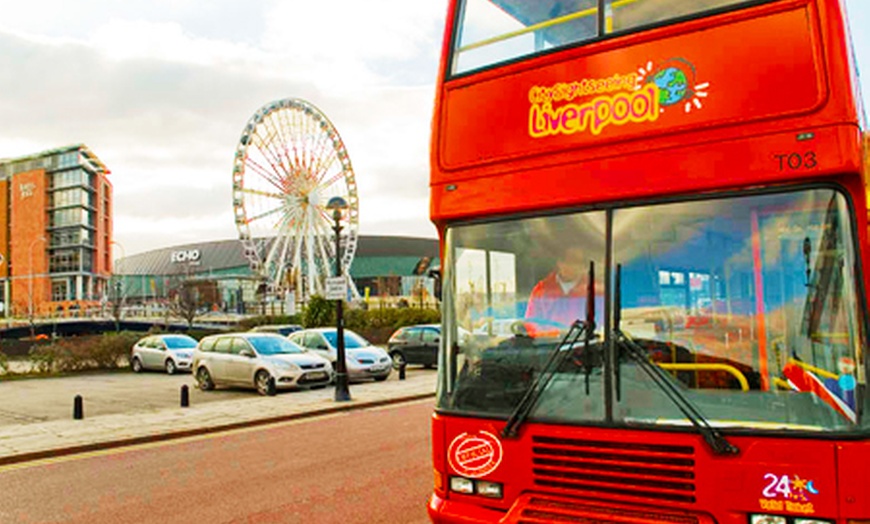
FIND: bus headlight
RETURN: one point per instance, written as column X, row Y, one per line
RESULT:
column 489, row 489
column 462, row 485
column 767, row 519
column 484, row 488
column 811, row 521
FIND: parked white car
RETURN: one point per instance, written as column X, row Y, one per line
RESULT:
column 254, row 359
column 363, row 359
column 171, row 353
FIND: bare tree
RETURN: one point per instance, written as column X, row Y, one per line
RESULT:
column 116, row 302
column 185, row 301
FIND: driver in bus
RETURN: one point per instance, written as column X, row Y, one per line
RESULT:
column 560, row 297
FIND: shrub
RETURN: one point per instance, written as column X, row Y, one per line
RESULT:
column 106, row 351
column 110, row 350
column 4, row 362
column 319, row 312
column 378, row 324
column 43, row 358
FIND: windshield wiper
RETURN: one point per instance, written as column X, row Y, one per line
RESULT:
column 557, row 357
column 717, row 442
column 827, row 275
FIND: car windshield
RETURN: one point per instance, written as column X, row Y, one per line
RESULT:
column 749, row 303
column 179, row 342
column 351, row 339
column 274, row 345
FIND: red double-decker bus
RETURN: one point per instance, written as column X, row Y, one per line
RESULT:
column 654, row 250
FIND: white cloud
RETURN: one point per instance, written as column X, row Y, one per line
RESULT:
column 161, row 89
column 345, row 31
column 138, row 39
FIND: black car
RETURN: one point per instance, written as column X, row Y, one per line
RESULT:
column 281, row 329
column 415, row 345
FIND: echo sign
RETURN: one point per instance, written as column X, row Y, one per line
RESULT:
column 186, row 255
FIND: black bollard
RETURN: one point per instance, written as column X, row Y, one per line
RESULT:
column 78, row 408
column 270, row 390
column 185, row 396
column 402, row 371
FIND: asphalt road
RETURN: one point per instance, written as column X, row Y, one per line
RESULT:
column 366, row 466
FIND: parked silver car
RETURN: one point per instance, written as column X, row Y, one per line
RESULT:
column 254, row 359
column 171, row 353
column 363, row 359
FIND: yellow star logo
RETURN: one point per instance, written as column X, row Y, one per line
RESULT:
column 798, row 484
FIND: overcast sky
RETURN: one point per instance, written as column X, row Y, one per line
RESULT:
column 161, row 89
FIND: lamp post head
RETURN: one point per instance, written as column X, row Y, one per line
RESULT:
column 337, row 204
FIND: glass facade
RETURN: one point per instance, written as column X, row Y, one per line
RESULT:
column 72, row 197
column 72, row 237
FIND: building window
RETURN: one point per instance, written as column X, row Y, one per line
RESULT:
column 69, row 159
column 71, row 237
column 71, row 197
column 71, row 217
column 71, row 178
column 59, row 290
column 64, row 261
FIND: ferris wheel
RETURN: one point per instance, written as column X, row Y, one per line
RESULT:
column 289, row 163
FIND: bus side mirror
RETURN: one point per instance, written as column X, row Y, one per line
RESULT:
column 435, row 274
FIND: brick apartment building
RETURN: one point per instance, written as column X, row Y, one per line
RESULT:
column 55, row 231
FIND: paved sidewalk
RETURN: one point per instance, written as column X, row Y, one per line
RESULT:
column 21, row 442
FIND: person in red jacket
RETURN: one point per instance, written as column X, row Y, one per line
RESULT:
column 561, row 295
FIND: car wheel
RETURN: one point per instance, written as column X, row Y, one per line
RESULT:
column 136, row 365
column 170, row 366
column 203, row 380
column 398, row 359
column 261, row 382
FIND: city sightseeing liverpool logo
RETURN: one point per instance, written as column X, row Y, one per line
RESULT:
column 592, row 104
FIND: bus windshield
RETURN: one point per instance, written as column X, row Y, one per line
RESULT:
column 749, row 304
column 493, row 31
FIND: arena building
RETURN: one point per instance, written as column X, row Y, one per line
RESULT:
column 385, row 269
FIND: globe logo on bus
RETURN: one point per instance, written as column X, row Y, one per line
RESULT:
column 673, row 85
column 475, row 454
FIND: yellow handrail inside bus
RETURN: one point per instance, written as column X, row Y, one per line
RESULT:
column 818, row 371
column 744, row 384
column 780, row 383
column 542, row 25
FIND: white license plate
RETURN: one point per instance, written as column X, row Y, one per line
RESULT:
column 316, row 375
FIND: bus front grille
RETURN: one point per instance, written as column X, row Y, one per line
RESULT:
column 541, row 510
column 653, row 472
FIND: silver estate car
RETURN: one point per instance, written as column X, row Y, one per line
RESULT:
column 363, row 359
column 253, row 359
column 171, row 353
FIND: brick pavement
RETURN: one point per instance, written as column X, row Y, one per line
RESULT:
column 34, row 440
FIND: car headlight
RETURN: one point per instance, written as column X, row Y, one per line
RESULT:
column 282, row 364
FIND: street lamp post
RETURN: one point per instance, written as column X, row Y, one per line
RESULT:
column 342, row 391
column 116, row 287
column 30, row 267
